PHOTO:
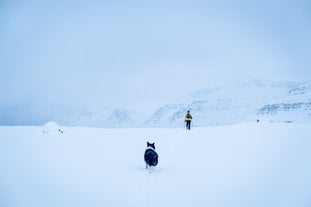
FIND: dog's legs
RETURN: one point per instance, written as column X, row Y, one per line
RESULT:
column 146, row 166
column 151, row 169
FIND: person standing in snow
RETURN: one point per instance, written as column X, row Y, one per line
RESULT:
column 188, row 119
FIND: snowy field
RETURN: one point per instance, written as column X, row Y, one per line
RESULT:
column 245, row 165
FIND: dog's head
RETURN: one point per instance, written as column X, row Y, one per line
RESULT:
column 151, row 145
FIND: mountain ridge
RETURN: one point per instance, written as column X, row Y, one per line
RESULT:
column 230, row 103
column 240, row 102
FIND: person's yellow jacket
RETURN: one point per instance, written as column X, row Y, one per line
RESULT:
column 188, row 117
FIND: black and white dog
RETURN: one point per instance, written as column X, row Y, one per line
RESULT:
column 151, row 157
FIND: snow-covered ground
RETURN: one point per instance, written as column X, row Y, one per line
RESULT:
column 251, row 165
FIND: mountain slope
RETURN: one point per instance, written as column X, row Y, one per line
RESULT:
column 240, row 102
column 236, row 102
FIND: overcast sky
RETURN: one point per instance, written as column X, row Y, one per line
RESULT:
column 123, row 52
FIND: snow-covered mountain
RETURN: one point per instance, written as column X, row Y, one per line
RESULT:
column 120, row 117
column 104, row 117
column 244, row 101
column 239, row 102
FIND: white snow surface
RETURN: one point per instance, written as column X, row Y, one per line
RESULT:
column 50, row 127
column 250, row 164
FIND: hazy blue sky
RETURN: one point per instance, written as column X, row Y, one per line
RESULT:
column 120, row 52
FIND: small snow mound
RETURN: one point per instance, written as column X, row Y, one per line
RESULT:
column 51, row 127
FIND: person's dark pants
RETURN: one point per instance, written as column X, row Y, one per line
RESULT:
column 188, row 124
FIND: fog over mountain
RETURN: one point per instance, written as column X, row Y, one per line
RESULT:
column 236, row 102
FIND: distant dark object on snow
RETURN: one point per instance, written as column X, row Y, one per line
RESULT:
column 288, row 122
